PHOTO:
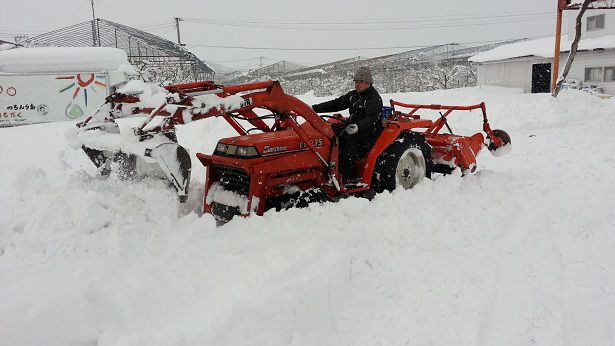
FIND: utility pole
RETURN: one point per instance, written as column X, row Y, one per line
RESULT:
column 179, row 40
column 94, row 35
column 20, row 38
column 561, row 5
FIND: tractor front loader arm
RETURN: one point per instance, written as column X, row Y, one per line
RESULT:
column 153, row 143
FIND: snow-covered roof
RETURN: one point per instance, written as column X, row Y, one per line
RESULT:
column 64, row 59
column 542, row 47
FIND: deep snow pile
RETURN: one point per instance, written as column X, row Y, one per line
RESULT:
column 519, row 253
column 65, row 59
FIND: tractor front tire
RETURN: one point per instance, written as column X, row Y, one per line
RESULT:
column 404, row 163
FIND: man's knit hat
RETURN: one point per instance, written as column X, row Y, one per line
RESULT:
column 363, row 73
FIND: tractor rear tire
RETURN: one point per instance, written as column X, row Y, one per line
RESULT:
column 404, row 163
column 498, row 151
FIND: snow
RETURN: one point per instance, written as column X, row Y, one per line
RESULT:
column 302, row 73
column 543, row 47
column 209, row 102
column 220, row 69
column 518, row 253
column 152, row 96
column 217, row 194
column 64, row 59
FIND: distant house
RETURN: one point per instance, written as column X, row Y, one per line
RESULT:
column 527, row 64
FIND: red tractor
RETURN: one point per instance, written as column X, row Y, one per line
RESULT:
column 288, row 156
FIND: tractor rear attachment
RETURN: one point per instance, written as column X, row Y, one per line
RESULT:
column 449, row 150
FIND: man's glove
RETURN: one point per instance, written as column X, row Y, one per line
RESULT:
column 352, row 129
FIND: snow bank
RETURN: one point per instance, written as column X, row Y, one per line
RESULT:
column 64, row 59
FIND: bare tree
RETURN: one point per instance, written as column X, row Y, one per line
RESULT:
column 448, row 76
column 573, row 49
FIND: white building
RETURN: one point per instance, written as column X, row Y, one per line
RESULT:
column 527, row 64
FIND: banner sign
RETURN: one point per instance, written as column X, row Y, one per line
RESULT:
column 29, row 99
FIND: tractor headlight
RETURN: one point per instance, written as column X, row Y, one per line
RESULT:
column 247, row 151
column 232, row 149
column 222, row 148
column 236, row 151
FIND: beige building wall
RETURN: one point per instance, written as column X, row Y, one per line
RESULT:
column 511, row 73
column 517, row 73
column 609, row 24
column 591, row 59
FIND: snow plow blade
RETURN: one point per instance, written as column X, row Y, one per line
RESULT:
column 149, row 149
column 157, row 157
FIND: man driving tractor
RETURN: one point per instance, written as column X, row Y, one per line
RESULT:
column 359, row 135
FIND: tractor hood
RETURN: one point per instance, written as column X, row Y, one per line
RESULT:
column 272, row 143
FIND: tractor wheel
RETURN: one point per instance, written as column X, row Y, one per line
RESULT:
column 404, row 163
column 504, row 148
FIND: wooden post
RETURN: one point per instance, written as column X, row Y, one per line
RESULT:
column 558, row 37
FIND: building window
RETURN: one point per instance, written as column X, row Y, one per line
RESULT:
column 595, row 22
column 593, row 74
column 609, row 74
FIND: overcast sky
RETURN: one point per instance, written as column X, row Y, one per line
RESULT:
column 315, row 24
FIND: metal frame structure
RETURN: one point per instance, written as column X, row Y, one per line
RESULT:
column 140, row 46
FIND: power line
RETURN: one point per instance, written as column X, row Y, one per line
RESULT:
column 384, row 20
column 157, row 27
column 367, row 21
column 373, row 29
column 167, row 29
column 304, row 49
column 145, row 25
column 345, row 49
column 247, row 59
column 363, row 22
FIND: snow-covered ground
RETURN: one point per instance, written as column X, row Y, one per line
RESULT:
column 519, row 253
